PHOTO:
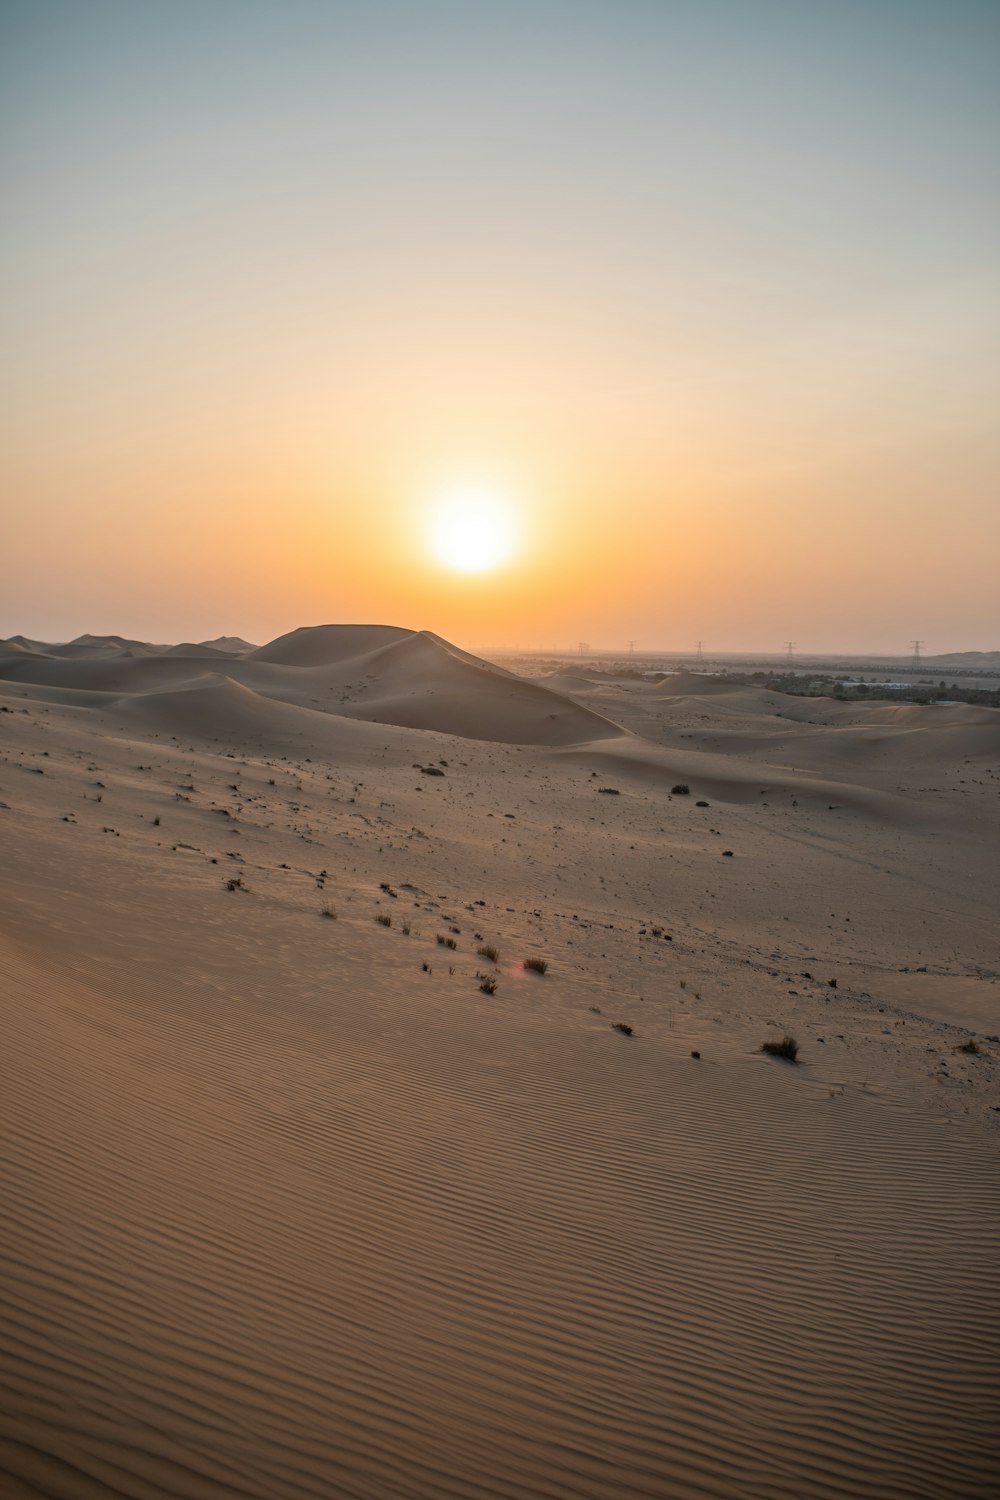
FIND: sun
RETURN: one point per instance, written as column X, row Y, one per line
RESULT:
column 472, row 530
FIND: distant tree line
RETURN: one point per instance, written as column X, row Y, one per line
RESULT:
column 819, row 684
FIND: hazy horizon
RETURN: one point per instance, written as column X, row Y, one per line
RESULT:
column 701, row 298
column 527, row 646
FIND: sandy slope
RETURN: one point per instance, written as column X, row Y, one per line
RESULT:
column 291, row 1208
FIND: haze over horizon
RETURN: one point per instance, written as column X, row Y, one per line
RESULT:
column 525, row 646
column 696, row 304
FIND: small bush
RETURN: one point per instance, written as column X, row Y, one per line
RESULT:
column 488, row 951
column 446, row 942
column 681, row 789
column 156, row 821
column 609, row 791
column 788, row 1048
column 623, row 1027
column 487, row 984
column 329, row 912
column 971, row 1046
column 536, row 965
column 383, row 919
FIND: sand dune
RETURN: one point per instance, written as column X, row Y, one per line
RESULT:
column 328, row 645
column 220, row 711
column 198, row 649
column 116, row 673
column 690, row 684
column 234, row 645
column 733, row 778
column 375, row 672
column 291, row 1207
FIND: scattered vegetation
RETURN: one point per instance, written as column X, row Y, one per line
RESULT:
column 431, row 771
column 234, row 883
column 788, row 1048
column 681, row 789
column 383, row 919
column 446, row 942
column 971, row 1046
column 487, row 950
column 536, row 965
column 328, row 911
column 609, row 791
column 487, row 984
column 623, row 1027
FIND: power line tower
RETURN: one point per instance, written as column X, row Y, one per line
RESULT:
column 582, row 648
column 791, row 654
column 699, row 659
column 917, row 662
column 631, row 648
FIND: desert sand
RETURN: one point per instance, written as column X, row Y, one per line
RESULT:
column 293, row 1207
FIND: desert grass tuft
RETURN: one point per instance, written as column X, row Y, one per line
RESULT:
column 536, row 965
column 788, row 1048
column 488, row 951
column 383, row 919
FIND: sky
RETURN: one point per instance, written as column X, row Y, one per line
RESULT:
column 702, row 295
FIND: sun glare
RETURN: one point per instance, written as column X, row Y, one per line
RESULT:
column 472, row 531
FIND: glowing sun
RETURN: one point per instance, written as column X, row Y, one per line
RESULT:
column 472, row 531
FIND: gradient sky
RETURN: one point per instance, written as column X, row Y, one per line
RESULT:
column 709, row 288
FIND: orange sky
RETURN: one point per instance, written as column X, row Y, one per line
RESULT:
column 707, row 290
